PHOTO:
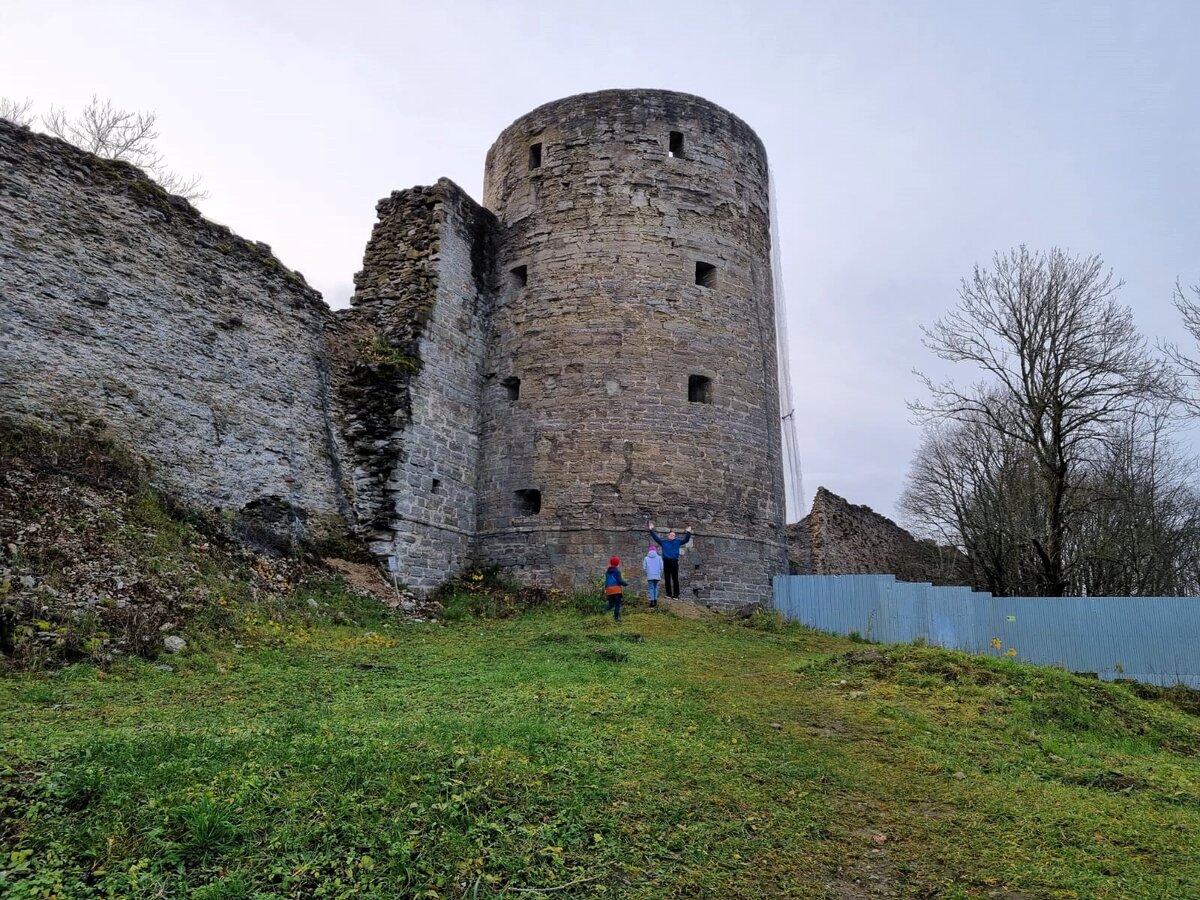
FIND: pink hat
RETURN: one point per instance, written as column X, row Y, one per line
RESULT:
column 653, row 547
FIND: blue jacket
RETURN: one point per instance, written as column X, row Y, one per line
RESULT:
column 670, row 548
column 612, row 579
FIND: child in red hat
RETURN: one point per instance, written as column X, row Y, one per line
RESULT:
column 613, row 583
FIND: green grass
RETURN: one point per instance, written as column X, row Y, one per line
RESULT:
column 557, row 754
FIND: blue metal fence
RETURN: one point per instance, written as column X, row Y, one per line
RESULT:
column 1151, row 639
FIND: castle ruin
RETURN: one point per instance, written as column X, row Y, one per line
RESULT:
column 521, row 384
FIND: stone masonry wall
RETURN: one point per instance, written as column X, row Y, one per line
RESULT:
column 199, row 349
column 375, row 352
column 605, row 324
column 409, row 361
column 840, row 538
column 523, row 387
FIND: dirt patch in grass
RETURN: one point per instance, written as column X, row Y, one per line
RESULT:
column 686, row 609
column 370, row 580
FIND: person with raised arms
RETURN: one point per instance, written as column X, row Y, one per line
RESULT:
column 670, row 553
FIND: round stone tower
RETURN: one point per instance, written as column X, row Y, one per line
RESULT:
column 632, row 374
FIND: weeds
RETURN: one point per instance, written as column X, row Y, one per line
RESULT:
column 488, row 594
column 206, row 830
column 767, row 620
column 1180, row 696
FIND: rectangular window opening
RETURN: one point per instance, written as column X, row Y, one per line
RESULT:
column 706, row 274
column 520, row 276
column 529, row 502
column 436, row 487
column 512, row 387
column 699, row 389
column 535, row 156
column 675, row 144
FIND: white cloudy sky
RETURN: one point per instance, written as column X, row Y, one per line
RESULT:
column 908, row 140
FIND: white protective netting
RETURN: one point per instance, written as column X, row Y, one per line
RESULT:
column 793, row 476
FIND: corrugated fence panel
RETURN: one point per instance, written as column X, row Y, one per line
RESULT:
column 908, row 615
column 1153, row 639
column 889, row 614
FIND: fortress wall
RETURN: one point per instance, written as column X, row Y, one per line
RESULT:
column 605, row 330
column 199, row 349
column 842, row 538
column 409, row 373
column 511, row 387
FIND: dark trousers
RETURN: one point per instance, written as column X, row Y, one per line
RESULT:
column 614, row 604
column 671, row 575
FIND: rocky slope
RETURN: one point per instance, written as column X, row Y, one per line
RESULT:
column 95, row 564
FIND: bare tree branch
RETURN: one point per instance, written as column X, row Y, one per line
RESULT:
column 1187, row 301
column 114, row 133
column 19, row 112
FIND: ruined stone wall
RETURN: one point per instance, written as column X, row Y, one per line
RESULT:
column 197, row 348
column 375, row 352
column 409, row 359
column 601, row 318
column 524, row 388
column 840, row 538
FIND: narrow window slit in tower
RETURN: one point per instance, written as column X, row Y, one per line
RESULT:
column 512, row 386
column 436, row 487
column 699, row 389
column 520, row 276
column 706, row 274
column 535, row 156
column 675, row 145
column 529, row 502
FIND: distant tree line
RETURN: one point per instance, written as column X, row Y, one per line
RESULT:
column 1058, row 468
column 111, row 132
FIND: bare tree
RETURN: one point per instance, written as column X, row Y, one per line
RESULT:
column 1188, row 303
column 1134, row 522
column 970, row 488
column 19, row 112
column 113, row 133
column 1137, row 526
column 1062, row 362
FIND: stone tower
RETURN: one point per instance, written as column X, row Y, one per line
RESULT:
column 631, row 372
column 522, row 383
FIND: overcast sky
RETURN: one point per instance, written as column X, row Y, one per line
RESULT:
column 908, row 140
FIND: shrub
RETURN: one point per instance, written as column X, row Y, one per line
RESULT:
column 486, row 593
column 766, row 620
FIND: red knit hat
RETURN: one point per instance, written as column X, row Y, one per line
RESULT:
column 614, row 561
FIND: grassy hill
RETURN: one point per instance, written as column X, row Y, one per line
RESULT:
column 557, row 754
column 310, row 743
